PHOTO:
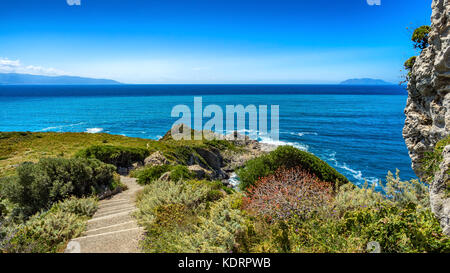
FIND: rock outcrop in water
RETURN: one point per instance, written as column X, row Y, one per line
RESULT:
column 428, row 108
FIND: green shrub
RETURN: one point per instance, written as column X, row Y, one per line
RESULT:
column 177, row 215
column 420, row 37
column 184, row 231
column 147, row 175
column 161, row 193
column 78, row 206
column 288, row 157
column 217, row 230
column 116, row 155
column 410, row 63
column 38, row 186
column 432, row 160
column 180, row 172
column 398, row 230
column 402, row 193
column 50, row 231
column 394, row 193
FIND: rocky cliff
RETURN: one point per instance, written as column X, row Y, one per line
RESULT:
column 427, row 111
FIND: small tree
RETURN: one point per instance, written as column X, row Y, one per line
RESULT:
column 408, row 67
column 420, row 37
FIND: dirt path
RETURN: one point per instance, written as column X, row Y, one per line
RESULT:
column 112, row 229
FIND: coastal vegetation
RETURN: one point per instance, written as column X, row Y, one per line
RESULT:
column 288, row 157
column 38, row 186
column 118, row 156
column 48, row 231
column 288, row 200
column 432, row 160
column 420, row 41
column 420, row 37
column 179, row 217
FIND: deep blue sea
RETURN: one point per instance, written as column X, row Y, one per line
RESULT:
column 356, row 129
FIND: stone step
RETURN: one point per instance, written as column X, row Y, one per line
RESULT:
column 116, row 227
column 109, row 220
column 123, row 241
column 103, row 214
column 103, row 205
column 114, row 208
column 112, row 201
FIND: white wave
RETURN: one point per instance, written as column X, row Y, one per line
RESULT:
column 61, row 126
column 300, row 146
column 234, row 180
column 355, row 173
column 94, row 130
column 303, row 134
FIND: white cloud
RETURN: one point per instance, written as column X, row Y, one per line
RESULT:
column 8, row 64
column 15, row 66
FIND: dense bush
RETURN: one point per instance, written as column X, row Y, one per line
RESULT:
column 154, row 195
column 288, row 157
column 401, row 230
column 38, row 186
column 217, row 230
column 78, row 206
column 432, row 160
column 116, row 155
column 50, row 231
column 420, row 37
column 177, row 228
column 149, row 174
column 188, row 216
column 398, row 218
column 394, row 192
column 180, row 172
column 410, row 63
column 286, row 193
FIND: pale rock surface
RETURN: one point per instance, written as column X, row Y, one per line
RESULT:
column 428, row 106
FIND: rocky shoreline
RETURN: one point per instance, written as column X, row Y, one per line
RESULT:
column 214, row 164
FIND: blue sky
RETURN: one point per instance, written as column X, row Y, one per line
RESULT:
column 210, row 41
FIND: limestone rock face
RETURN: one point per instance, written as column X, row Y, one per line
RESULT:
column 439, row 195
column 200, row 173
column 428, row 106
column 155, row 159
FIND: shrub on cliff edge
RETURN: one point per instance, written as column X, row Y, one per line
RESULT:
column 115, row 155
column 38, row 186
column 288, row 157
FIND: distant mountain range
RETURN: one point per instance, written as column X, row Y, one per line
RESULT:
column 365, row 81
column 14, row 78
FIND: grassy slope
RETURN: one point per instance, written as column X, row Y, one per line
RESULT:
column 19, row 147
column 16, row 148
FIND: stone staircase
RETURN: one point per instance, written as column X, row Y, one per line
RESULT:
column 112, row 229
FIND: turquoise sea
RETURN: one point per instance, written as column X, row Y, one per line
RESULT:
column 356, row 129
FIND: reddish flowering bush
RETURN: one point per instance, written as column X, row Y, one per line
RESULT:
column 288, row 193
